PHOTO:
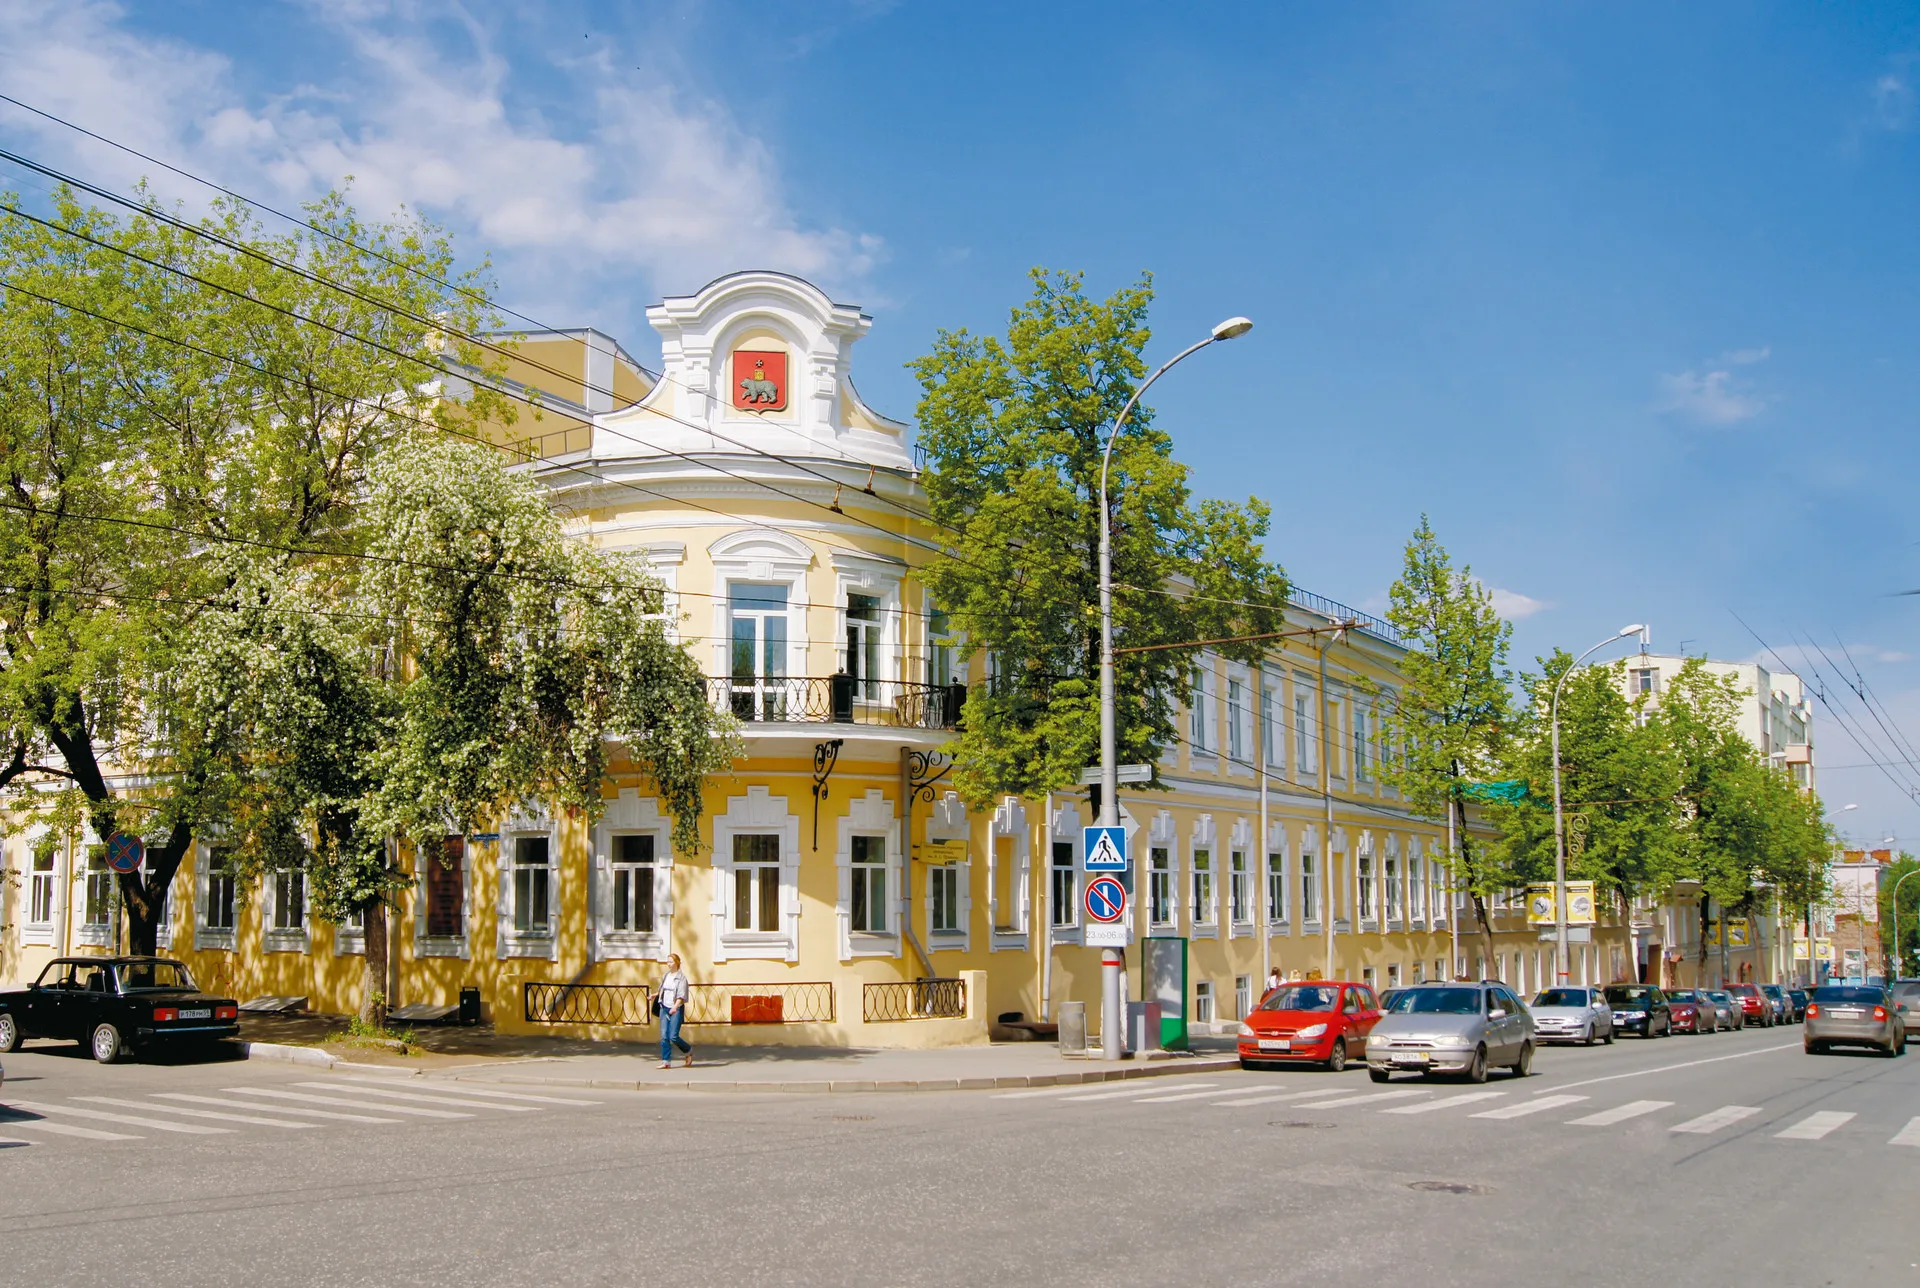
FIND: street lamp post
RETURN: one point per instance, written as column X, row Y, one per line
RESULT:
column 1559, row 822
column 1899, row 959
column 1111, row 1011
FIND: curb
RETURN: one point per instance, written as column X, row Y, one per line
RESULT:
column 290, row 1054
column 843, row 1086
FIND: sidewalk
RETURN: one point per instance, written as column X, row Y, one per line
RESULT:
column 480, row 1055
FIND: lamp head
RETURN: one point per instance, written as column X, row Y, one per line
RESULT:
column 1634, row 629
column 1232, row 328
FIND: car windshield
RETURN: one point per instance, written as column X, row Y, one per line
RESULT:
column 1842, row 993
column 1303, row 997
column 139, row 977
column 1621, row 993
column 1908, row 989
column 1561, row 997
column 1682, row 995
column 1438, row 1001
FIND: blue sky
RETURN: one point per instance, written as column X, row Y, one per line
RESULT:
column 1623, row 296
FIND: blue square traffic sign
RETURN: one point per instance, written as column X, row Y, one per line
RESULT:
column 1105, row 849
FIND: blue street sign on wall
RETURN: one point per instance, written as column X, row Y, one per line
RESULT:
column 1105, row 849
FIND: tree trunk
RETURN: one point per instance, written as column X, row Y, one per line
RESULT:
column 373, row 1000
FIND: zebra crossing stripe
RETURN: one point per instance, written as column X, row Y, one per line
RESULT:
column 1039, row 1091
column 1620, row 1113
column 253, row 1107
column 465, row 1089
column 416, row 1098
column 1130, row 1092
column 1428, row 1106
column 1722, row 1117
column 1254, row 1100
column 64, row 1129
column 1814, row 1126
column 1908, row 1135
column 195, row 1113
column 303, row 1098
column 1368, row 1098
column 1526, row 1107
column 185, row 1129
column 1188, row 1095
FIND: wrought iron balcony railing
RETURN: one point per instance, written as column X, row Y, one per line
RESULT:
column 839, row 699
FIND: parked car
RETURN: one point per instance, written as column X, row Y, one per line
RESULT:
column 1317, row 1022
column 1854, row 1015
column 1753, row 1003
column 1782, row 1005
column 1798, row 996
column 1452, row 1028
column 1640, row 1008
column 1732, row 1014
column 1906, row 997
column 1571, row 1015
column 1692, row 1011
column 116, row 1005
column 1386, row 998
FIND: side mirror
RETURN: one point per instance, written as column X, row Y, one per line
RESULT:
column 1496, row 1013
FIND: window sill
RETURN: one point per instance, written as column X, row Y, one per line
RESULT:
column 286, row 941
column 1279, row 928
column 527, row 945
column 1209, row 930
column 1341, row 926
column 442, row 946
column 1005, row 940
column 349, row 943
column 868, row 943
column 1064, row 936
column 36, row 935
column 92, row 936
column 758, row 945
column 631, row 945
column 947, row 941
column 1242, row 929
column 220, row 941
column 1312, row 928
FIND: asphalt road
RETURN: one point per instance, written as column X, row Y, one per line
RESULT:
column 1711, row 1160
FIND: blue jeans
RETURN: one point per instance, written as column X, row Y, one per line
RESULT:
column 670, row 1038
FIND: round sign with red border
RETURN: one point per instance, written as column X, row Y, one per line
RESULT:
column 1106, row 900
column 125, row 851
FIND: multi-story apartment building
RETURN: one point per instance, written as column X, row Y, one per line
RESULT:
column 843, row 894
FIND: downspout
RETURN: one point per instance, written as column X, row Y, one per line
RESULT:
column 1044, row 931
column 1453, row 895
column 1261, row 913
column 1326, row 842
column 906, row 862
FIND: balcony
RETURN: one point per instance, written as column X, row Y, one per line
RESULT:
column 839, row 699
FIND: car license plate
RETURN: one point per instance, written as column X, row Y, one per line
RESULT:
column 200, row 1013
column 1276, row 1044
column 1849, row 1013
column 1409, row 1057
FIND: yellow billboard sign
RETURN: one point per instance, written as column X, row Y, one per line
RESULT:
column 1540, row 906
column 1737, row 932
column 1581, row 905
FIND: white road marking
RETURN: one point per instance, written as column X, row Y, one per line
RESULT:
column 1254, row 1100
column 194, row 1113
column 1526, row 1107
column 416, row 1098
column 1620, row 1114
column 466, row 1089
column 64, row 1129
column 304, row 1098
column 1189, row 1095
column 1725, row 1116
column 8, row 1141
column 1369, row 1097
column 1684, row 1064
column 1464, row 1098
column 1039, row 1091
column 271, row 1109
column 1814, row 1126
column 185, row 1129
column 1908, row 1135
column 1132, row 1091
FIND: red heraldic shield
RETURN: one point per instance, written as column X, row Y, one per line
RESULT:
column 759, row 380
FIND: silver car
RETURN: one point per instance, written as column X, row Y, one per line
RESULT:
column 1854, row 1015
column 1452, row 1028
column 1572, row 1015
column 1729, row 1013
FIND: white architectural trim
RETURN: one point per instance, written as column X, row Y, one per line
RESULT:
column 869, row 815
column 291, row 940
column 458, row 946
column 1009, row 926
column 1240, row 841
column 630, row 814
column 528, row 820
column 206, row 938
column 1205, row 923
column 41, row 933
column 758, row 811
column 1067, row 830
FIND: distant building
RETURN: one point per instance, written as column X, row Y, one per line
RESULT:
column 1775, row 715
column 1853, row 917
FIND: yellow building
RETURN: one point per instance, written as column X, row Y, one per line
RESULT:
column 844, row 896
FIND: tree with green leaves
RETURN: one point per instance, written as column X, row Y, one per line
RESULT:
column 1014, row 430
column 1450, row 716
column 1901, row 937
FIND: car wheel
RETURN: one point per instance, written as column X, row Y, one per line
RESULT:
column 1593, row 1035
column 1477, row 1071
column 106, row 1043
column 1524, row 1065
column 1379, row 1075
column 1250, row 1065
column 9, row 1033
column 1608, row 1039
column 1337, row 1056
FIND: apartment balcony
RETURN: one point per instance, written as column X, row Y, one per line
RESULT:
column 898, row 711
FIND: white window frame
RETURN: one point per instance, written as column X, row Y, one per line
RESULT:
column 1439, row 892
column 1338, row 766
column 33, row 931
column 1366, row 869
column 1240, row 751
column 767, row 556
column 1393, row 913
column 460, row 946
column 275, row 938
column 631, row 814
column 948, row 821
column 1204, row 895
column 350, row 936
column 758, row 811
column 1009, row 925
column 1279, row 910
column 1241, row 882
column 1341, row 894
column 871, row 815
column 211, row 938
column 84, row 931
column 880, row 579
column 529, row 822
column 1416, row 883
column 1063, row 931
column 1306, row 735
column 1202, row 720
column 1311, row 877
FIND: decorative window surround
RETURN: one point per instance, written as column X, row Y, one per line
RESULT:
column 273, row 937
column 1010, row 923
column 631, row 814
column 91, row 875
column 1163, row 834
column 209, row 938
column 528, row 820
column 948, row 822
column 1240, row 842
column 1203, row 719
column 163, row 933
column 1206, row 909
column 1366, row 884
column 1066, row 831
column 350, row 938
column 879, row 578
column 663, row 559
column 1279, row 913
column 1242, row 721
column 1340, row 891
column 1394, row 909
column 1416, row 882
column 768, row 556
column 871, row 815
column 1313, row 895
column 460, row 946
column 43, row 891
column 759, row 811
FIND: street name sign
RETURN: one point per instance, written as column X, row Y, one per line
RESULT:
column 1105, row 849
column 1106, row 900
column 1090, row 776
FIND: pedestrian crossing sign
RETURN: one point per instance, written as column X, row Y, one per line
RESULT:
column 1105, row 849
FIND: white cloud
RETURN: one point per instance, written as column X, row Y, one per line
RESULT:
column 1514, row 606
column 1892, row 96
column 1710, row 398
column 653, row 181
column 1747, row 357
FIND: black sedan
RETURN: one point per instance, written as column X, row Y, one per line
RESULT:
column 1640, row 1008
column 113, row 1005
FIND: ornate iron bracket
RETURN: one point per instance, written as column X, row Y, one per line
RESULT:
column 825, row 754
column 924, row 770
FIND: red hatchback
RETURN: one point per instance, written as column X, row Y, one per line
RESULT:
column 1322, row 1021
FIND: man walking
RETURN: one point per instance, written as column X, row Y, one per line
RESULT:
column 673, row 1013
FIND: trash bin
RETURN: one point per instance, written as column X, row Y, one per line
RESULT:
column 469, row 1005
column 1073, row 1028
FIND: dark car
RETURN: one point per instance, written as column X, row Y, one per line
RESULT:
column 1782, row 1005
column 113, row 1005
column 1640, row 1008
column 1798, row 996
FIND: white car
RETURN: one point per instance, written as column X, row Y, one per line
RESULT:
column 1572, row 1015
